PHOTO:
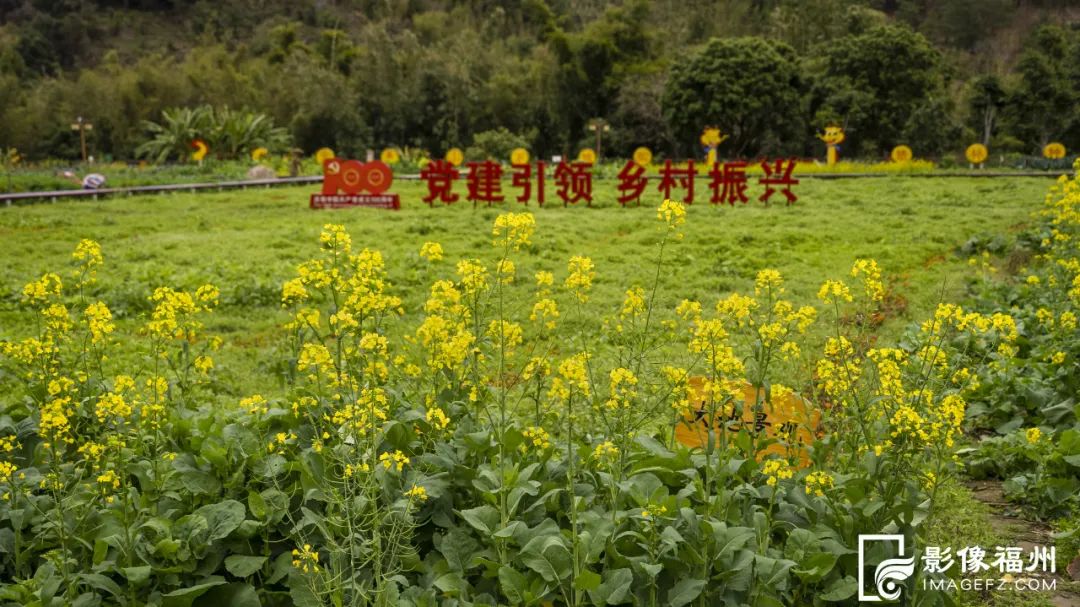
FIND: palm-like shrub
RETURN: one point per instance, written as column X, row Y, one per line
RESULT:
column 230, row 134
column 234, row 133
column 172, row 137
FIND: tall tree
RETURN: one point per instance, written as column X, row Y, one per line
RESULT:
column 874, row 83
column 748, row 87
column 1044, row 104
column 987, row 98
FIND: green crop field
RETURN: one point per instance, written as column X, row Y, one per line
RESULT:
column 286, row 468
column 249, row 242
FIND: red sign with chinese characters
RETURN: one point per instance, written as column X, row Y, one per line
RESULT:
column 483, row 182
column 727, row 182
column 351, row 183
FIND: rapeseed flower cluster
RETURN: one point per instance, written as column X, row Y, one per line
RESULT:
column 834, row 292
column 393, row 461
column 306, row 559
column 679, row 381
column 817, row 483
column 545, row 311
column 99, row 321
column 840, row 369
column 431, row 251
column 710, row 339
column 1033, row 435
column 174, row 314
column 87, row 257
column 673, row 215
column 869, row 273
column 473, row 276
column 623, row 389
column 579, row 281
column 437, row 418
column 536, row 438
column 775, row 470
column 45, row 290
column 506, row 335
column 573, row 377
column 417, row 493
column 605, row 451
column 513, row 230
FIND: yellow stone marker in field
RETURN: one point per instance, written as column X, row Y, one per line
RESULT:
column 901, row 154
column 1054, row 151
column 976, row 153
column 455, row 156
column 390, row 156
column 323, row 154
column 643, row 156
column 519, row 156
column 788, row 418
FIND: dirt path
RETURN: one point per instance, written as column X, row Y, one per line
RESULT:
column 1008, row 522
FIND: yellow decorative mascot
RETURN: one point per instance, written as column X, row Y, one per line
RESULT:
column 833, row 137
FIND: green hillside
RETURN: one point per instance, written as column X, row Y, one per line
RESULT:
column 356, row 75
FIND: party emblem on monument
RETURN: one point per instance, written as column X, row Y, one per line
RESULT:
column 351, row 183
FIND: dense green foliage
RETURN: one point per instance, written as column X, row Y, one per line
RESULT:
column 228, row 133
column 431, row 75
column 748, row 85
column 371, row 461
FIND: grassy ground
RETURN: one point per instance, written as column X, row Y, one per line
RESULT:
column 248, row 242
column 962, row 518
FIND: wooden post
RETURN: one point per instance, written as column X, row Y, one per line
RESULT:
column 82, row 126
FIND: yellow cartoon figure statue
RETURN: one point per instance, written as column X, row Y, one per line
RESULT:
column 833, row 137
column 711, row 138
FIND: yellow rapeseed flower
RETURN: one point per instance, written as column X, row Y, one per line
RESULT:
column 1033, row 435
column 99, row 321
column 834, row 291
column 817, row 483
column 776, row 469
column 390, row 461
column 336, row 238
column 431, row 251
column 513, row 230
column 536, row 437
column 870, row 273
column 306, row 559
column 673, row 214
column 418, row 493
column 634, row 303
column 437, row 418
column 545, row 311
column 473, row 276
column 579, row 282
column 768, row 280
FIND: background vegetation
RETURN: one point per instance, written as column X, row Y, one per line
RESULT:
column 354, row 74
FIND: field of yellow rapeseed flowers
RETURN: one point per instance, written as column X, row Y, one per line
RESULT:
column 509, row 441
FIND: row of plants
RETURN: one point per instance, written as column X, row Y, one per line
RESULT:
column 1026, row 408
column 47, row 176
column 506, row 443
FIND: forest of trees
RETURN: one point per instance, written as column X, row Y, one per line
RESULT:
column 431, row 74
